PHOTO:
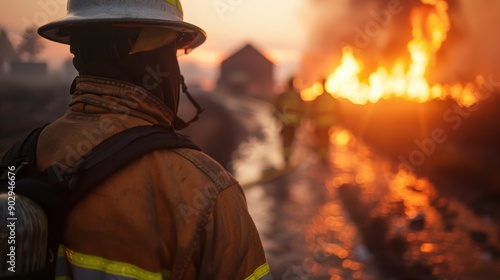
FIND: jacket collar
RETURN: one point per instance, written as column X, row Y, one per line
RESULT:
column 113, row 96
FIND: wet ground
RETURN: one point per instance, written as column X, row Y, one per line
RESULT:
column 358, row 216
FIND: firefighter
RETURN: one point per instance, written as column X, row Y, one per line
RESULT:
column 289, row 110
column 172, row 214
column 324, row 113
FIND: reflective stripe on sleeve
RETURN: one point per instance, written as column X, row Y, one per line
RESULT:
column 261, row 273
column 63, row 271
column 92, row 267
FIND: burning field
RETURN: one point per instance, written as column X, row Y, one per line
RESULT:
column 419, row 82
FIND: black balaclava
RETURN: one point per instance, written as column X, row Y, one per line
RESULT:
column 103, row 51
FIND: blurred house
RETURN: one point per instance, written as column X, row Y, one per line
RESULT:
column 247, row 71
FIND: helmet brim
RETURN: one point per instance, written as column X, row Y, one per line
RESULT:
column 59, row 31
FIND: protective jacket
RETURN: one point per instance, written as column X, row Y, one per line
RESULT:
column 172, row 214
column 289, row 108
column 325, row 110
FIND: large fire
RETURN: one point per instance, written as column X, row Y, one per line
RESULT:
column 429, row 30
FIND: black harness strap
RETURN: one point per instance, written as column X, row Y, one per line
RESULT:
column 23, row 151
column 116, row 152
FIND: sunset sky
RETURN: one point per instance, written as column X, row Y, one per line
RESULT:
column 274, row 27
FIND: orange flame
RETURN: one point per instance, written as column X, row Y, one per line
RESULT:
column 429, row 30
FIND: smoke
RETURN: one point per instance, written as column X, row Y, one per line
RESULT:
column 379, row 31
column 474, row 40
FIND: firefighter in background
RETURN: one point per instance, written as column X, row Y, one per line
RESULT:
column 324, row 112
column 289, row 110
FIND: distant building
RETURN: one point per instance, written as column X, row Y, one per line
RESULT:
column 7, row 53
column 248, row 71
column 31, row 70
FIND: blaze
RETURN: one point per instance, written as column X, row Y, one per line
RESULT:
column 429, row 30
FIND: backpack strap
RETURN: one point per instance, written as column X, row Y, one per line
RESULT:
column 24, row 150
column 113, row 154
column 22, row 155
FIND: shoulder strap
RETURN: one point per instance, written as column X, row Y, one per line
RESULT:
column 24, row 149
column 22, row 155
column 116, row 152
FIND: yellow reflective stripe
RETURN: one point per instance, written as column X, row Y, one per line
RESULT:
column 261, row 271
column 62, row 266
column 61, row 251
column 110, row 267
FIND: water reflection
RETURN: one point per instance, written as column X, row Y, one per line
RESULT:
column 362, row 218
column 438, row 237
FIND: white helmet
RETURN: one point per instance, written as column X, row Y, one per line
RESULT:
column 159, row 17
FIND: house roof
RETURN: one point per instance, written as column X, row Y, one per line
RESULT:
column 248, row 48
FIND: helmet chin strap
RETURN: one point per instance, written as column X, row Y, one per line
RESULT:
column 180, row 123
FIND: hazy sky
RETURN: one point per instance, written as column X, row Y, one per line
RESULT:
column 275, row 27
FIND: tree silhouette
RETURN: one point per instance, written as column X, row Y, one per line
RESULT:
column 31, row 45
